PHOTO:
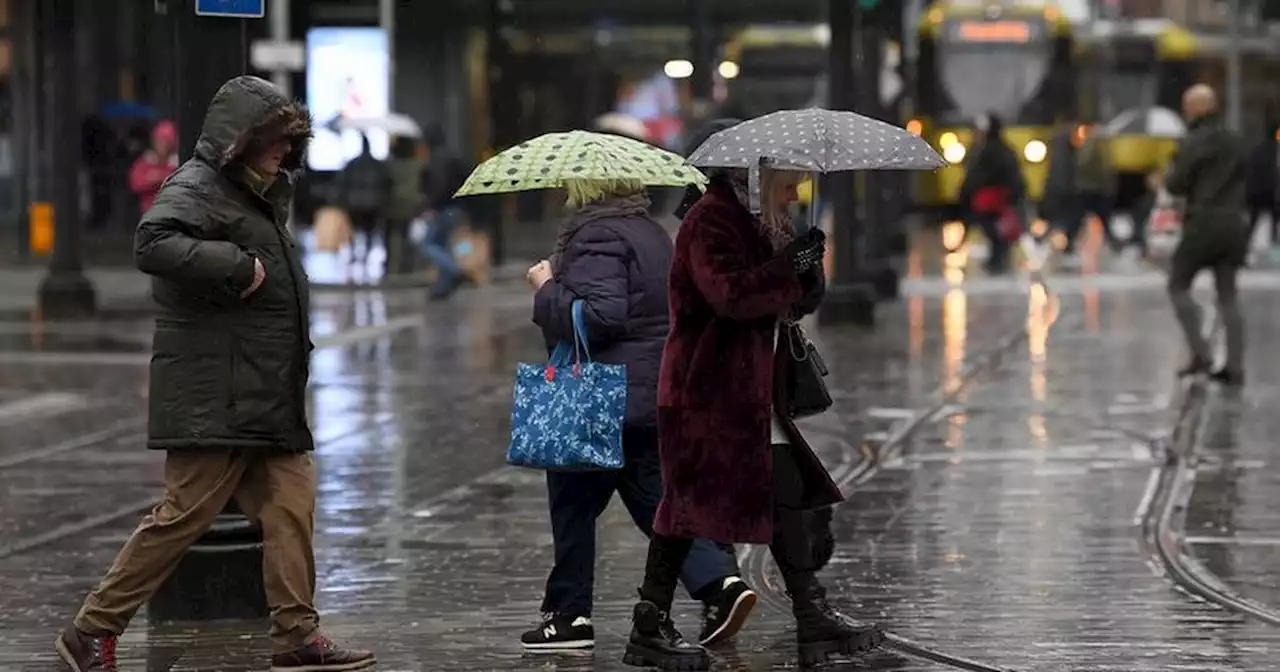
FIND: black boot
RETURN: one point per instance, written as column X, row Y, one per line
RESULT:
column 655, row 642
column 821, row 631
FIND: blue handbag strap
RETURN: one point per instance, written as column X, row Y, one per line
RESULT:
column 580, row 346
column 561, row 356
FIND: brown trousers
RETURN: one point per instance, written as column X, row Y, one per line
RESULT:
column 276, row 490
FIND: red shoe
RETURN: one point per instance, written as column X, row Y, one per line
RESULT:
column 322, row 655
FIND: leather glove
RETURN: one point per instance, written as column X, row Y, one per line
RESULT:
column 808, row 250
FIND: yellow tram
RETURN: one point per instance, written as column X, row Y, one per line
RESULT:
column 1013, row 59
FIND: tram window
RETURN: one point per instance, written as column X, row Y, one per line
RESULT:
column 1122, row 90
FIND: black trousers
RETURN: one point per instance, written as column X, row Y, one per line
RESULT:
column 800, row 546
column 1257, row 210
column 1221, row 250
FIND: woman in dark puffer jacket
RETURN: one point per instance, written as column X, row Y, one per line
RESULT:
column 615, row 257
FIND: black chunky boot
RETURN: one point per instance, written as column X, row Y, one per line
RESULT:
column 821, row 631
column 655, row 642
column 801, row 543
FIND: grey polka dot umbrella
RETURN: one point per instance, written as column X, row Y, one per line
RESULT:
column 816, row 140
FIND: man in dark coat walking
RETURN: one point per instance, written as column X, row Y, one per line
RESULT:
column 1208, row 171
column 364, row 190
column 228, row 379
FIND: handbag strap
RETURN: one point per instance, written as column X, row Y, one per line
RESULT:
column 797, row 342
column 580, row 345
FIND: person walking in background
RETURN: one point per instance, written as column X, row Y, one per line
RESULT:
column 1209, row 171
column 992, row 185
column 735, row 468
column 101, row 152
column 1060, row 205
column 407, row 202
column 363, row 189
column 229, row 373
column 1263, row 182
column 155, row 165
column 445, row 174
column 612, row 255
column 1095, row 184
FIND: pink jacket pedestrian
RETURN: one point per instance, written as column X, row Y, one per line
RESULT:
column 155, row 165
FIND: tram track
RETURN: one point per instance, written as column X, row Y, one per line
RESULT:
column 1160, row 517
column 1163, row 514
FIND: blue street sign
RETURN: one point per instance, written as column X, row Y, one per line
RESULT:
column 235, row 9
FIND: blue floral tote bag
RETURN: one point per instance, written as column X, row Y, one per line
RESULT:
column 567, row 414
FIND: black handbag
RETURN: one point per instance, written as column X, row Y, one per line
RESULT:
column 806, row 390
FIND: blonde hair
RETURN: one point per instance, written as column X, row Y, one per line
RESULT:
column 582, row 192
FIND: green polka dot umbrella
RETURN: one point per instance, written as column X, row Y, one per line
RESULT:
column 545, row 162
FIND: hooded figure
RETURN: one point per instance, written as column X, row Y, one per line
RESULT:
column 228, row 379
column 210, row 224
column 155, row 165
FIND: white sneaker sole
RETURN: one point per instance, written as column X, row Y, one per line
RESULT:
column 572, row 645
column 738, row 614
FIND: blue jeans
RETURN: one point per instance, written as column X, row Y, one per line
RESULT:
column 578, row 498
column 438, row 248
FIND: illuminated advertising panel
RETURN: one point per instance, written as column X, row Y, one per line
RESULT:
column 348, row 75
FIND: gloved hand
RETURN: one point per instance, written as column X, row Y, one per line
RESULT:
column 808, row 250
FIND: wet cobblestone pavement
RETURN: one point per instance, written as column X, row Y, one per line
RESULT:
column 1018, row 429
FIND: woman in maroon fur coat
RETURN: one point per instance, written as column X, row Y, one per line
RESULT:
column 734, row 469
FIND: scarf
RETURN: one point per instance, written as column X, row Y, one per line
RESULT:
column 609, row 208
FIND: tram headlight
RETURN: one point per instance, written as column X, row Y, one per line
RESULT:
column 954, row 152
column 1035, row 151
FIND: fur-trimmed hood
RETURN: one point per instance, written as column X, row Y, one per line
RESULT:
column 250, row 110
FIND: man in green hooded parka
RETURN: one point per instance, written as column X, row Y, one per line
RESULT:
column 228, row 379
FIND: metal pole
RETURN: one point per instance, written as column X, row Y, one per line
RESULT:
column 279, row 17
column 283, row 79
column 910, row 22
column 849, row 299
column 703, row 47
column 1234, row 83
column 65, row 290
column 387, row 19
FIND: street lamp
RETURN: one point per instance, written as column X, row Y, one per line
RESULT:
column 65, row 291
